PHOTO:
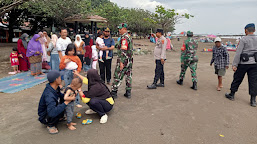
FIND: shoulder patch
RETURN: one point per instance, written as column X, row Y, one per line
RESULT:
column 124, row 44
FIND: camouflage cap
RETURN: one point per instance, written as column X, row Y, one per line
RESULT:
column 123, row 25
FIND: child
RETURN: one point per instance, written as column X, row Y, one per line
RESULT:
column 220, row 58
column 70, row 94
column 98, row 97
column 68, row 63
column 14, row 61
column 101, row 44
column 94, row 57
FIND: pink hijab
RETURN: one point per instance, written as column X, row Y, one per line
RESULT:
column 42, row 39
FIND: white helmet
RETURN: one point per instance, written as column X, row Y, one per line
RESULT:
column 217, row 39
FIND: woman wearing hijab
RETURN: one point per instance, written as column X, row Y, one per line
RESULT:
column 34, row 53
column 43, row 42
column 79, row 47
column 88, row 55
column 48, row 40
column 22, row 46
column 98, row 96
column 52, row 51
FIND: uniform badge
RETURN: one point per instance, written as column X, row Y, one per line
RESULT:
column 124, row 44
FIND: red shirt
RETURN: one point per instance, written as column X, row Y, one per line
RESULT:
column 14, row 59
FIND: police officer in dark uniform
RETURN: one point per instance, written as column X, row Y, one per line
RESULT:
column 245, row 61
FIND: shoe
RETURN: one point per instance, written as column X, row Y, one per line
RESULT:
column 194, row 87
column 108, row 57
column 90, row 111
column 180, row 82
column 253, row 101
column 160, row 85
column 104, row 119
column 108, row 83
column 114, row 94
column 153, row 86
column 230, row 96
column 101, row 60
column 128, row 94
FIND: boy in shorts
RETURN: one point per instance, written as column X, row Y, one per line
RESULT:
column 220, row 58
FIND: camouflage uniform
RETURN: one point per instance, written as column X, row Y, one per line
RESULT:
column 125, row 56
column 189, row 59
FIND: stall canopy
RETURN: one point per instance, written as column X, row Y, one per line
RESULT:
column 81, row 18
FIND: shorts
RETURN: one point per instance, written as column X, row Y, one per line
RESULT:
column 220, row 72
column 14, row 65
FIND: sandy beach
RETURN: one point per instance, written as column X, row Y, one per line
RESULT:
column 171, row 115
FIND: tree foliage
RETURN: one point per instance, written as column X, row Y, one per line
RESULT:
column 166, row 18
column 46, row 12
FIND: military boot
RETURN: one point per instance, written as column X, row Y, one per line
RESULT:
column 128, row 94
column 230, row 96
column 253, row 101
column 114, row 94
column 180, row 82
column 194, row 87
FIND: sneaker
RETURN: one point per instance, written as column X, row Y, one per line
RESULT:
column 152, row 86
column 101, row 60
column 160, row 85
column 90, row 111
column 108, row 57
column 104, row 119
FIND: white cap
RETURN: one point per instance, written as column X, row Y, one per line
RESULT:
column 217, row 39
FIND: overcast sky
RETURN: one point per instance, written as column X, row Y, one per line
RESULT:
column 210, row 16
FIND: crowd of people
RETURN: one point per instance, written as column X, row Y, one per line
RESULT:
column 67, row 60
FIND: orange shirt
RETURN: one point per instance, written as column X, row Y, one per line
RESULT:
column 72, row 58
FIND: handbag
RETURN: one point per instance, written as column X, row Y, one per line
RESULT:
column 45, row 66
column 35, row 59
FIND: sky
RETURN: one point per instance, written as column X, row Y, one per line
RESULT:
column 210, row 16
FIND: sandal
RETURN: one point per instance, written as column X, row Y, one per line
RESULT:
column 218, row 89
column 52, row 130
column 87, row 121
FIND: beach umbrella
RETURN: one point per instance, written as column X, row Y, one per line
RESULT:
column 211, row 36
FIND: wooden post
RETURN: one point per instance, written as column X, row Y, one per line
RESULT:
column 76, row 27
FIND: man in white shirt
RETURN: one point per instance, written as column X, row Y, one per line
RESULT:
column 62, row 43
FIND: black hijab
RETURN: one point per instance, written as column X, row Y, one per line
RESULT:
column 87, row 40
column 96, row 88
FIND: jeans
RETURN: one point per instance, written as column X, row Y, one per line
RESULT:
column 54, row 62
column 69, row 111
column 50, row 121
column 86, row 67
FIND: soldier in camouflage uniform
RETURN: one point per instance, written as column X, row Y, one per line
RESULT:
column 189, row 59
column 124, row 62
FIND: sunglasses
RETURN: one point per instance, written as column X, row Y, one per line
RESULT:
column 106, row 31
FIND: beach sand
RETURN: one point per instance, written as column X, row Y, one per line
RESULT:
column 171, row 115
